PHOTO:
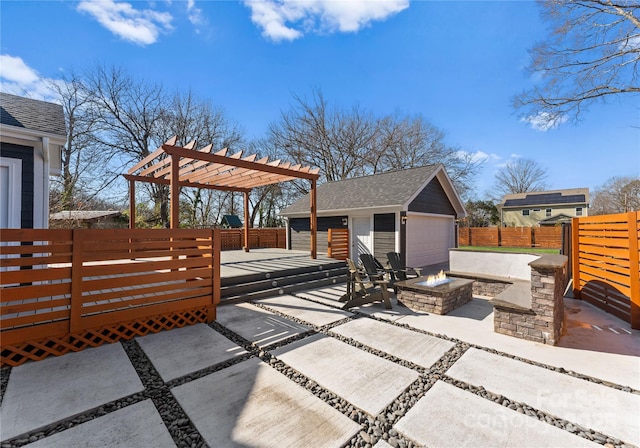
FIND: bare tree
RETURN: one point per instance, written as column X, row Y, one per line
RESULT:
column 617, row 195
column 592, row 54
column 520, row 176
column 81, row 180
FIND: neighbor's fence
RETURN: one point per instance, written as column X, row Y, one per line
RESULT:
column 272, row 237
column 545, row 237
column 66, row 290
column 338, row 244
column 606, row 269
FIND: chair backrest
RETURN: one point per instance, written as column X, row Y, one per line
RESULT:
column 397, row 265
column 354, row 274
column 369, row 264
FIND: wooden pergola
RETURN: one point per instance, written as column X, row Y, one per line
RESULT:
column 184, row 166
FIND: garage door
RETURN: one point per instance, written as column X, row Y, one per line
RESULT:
column 428, row 240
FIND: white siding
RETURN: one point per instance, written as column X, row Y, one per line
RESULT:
column 429, row 239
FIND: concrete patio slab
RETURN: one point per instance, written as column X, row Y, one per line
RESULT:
column 449, row 416
column 347, row 371
column 313, row 313
column 252, row 405
column 419, row 348
column 328, row 295
column 138, row 425
column 604, row 409
column 185, row 350
column 473, row 323
column 60, row 387
column 258, row 325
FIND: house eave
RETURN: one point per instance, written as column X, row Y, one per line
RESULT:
column 31, row 134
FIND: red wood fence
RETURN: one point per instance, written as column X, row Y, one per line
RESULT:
column 338, row 244
column 65, row 290
column 274, row 237
column 606, row 269
column 545, row 237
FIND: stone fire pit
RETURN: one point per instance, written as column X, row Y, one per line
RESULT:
column 439, row 299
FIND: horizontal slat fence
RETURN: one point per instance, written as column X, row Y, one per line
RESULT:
column 338, row 244
column 65, row 290
column 259, row 238
column 544, row 237
column 606, row 269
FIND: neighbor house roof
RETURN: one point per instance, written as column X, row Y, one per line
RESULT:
column 554, row 220
column 394, row 188
column 32, row 114
column 544, row 198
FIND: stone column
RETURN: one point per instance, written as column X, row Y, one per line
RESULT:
column 548, row 280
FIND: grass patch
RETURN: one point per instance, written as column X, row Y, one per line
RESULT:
column 527, row 250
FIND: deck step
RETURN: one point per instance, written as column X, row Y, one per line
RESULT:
column 253, row 286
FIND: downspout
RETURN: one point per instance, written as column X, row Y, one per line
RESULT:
column 45, row 183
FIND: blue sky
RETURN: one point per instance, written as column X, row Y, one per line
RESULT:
column 457, row 63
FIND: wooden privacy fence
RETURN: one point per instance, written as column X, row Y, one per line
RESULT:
column 274, row 237
column 606, row 270
column 66, row 290
column 338, row 244
column 545, row 237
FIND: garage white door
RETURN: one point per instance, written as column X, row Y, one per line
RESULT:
column 428, row 240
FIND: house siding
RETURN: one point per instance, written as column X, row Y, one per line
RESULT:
column 24, row 153
column 514, row 217
column 432, row 199
column 384, row 235
column 300, row 232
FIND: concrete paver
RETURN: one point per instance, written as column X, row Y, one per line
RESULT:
column 138, row 425
column 258, row 325
column 252, row 405
column 58, row 387
column 588, row 404
column 313, row 313
column 348, row 371
column 419, row 348
column 449, row 416
column 186, row 350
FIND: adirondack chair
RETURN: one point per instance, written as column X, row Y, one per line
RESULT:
column 400, row 271
column 373, row 268
column 360, row 292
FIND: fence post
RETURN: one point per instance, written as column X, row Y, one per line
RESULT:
column 75, row 313
column 575, row 256
column 634, row 269
column 216, row 246
column 329, row 241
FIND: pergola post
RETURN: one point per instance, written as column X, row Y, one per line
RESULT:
column 175, row 191
column 132, row 204
column 313, row 222
column 246, row 221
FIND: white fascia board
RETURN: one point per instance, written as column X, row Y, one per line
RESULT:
column 31, row 135
column 433, row 215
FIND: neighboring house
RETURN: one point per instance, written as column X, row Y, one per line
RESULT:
column 32, row 134
column 543, row 207
column 230, row 222
column 410, row 211
column 88, row 219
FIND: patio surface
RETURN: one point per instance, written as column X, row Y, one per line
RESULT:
column 292, row 371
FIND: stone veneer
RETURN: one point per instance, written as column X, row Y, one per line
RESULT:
column 439, row 299
column 542, row 319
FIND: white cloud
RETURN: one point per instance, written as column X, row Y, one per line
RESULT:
column 289, row 19
column 543, row 121
column 18, row 78
column 479, row 156
column 141, row 27
column 515, row 156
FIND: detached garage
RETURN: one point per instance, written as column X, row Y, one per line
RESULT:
column 410, row 211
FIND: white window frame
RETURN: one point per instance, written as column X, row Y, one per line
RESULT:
column 14, row 199
column 579, row 211
column 525, row 212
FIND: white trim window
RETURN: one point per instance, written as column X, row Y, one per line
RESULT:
column 525, row 212
column 11, row 191
column 578, row 211
column 547, row 213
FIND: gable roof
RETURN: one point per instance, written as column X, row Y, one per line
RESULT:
column 557, row 219
column 393, row 188
column 32, row 114
column 542, row 198
column 83, row 215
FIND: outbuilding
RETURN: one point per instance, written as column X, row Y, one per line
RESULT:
column 411, row 211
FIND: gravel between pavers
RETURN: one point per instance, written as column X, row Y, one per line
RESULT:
column 372, row 430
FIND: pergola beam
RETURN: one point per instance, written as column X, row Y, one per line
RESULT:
column 164, row 181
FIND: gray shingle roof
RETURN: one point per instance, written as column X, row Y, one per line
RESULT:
column 393, row 188
column 32, row 114
column 82, row 215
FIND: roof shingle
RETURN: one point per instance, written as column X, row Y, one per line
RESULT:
column 32, row 114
